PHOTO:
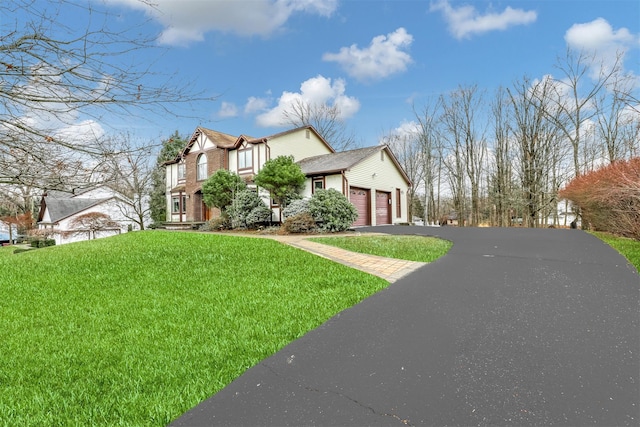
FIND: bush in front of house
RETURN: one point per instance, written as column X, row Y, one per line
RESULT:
column 247, row 210
column 296, row 207
column 216, row 224
column 332, row 210
column 299, row 223
column 42, row 243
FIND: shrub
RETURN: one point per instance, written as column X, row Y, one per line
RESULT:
column 220, row 188
column 216, row 224
column 299, row 223
column 282, row 177
column 608, row 198
column 332, row 210
column 247, row 210
column 42, row 243
column 296, row 207
column 20, row 250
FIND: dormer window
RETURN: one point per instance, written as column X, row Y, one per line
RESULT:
column 245, row 158
column 201, row 171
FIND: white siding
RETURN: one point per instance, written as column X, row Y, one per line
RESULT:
column 378, row 172
column 297, row 144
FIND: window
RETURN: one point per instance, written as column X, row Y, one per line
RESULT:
column 181, row 171
column 398, row 203
column 245, row 158
column 179, row 204
column 201, row 171
column 318, row 184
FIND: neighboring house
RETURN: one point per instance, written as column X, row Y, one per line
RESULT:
column 371, row 177
column 58, row 210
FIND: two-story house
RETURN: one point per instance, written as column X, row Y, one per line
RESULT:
column 370, row 177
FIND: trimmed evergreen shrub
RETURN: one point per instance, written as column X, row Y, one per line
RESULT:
column 296, row 207
column 299, row 223
column 247, row 210
column 332, row 210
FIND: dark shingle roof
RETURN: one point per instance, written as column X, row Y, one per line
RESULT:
column 336, row 162
column 61, row 208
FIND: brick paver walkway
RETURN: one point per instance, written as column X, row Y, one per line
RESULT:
column 389, row 269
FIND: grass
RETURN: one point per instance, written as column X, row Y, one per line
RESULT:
column 139, row 328
column 410, row 248
column 630, row 248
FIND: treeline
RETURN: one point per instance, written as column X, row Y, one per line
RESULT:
column 501, row 159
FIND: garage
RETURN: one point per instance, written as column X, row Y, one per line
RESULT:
column 383, row 208
column 359, row 197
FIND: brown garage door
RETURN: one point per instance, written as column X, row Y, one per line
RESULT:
column 383, row 208
column 360, row 199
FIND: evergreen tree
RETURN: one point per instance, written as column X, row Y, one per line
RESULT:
column 282, row 177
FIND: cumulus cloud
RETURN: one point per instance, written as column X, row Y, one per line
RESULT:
column 600, row 39
column 189, row 21
column 228, row 109
column 386, row 55
column 465, row 21
column 255, row 104
column 317, row 90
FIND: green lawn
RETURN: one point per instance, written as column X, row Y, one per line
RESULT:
column 628, row 247
column 411, row 248
column 139, row 328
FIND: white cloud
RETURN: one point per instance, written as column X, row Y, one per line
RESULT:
column 317, row 90
column 600, row 39
column 255, row 104
column 188, row 21
column 228, row 109
column 82, row 132
column 465, row 21
column 385, row 55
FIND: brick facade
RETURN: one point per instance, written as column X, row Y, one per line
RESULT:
column 215, row 161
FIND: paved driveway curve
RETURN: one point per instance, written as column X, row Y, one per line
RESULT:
column 511, row 327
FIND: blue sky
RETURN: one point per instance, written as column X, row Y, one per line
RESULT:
column 375, row 59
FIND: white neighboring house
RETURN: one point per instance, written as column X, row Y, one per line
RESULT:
column 371, row 178
column 59, row 210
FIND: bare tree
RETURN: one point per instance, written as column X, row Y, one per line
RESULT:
column 92, row 224
column 501, row 188
column 61, row 84
column 129, row 170
column 576, row 92
column 452, row 153
column 406, row 147
column 616, row 122
column 430, row 158
column 538, row 139
column 326, row 119
column 467, row 148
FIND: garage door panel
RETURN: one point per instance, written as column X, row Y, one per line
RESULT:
column 359, row 197
column 383, row 208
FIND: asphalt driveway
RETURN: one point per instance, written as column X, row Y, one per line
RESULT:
column 511, row 327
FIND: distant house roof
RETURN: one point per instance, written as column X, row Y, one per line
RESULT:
column 61, row 208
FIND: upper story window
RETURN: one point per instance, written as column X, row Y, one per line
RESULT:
column 201, row 171
column 245, row 158
column 182, row 171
